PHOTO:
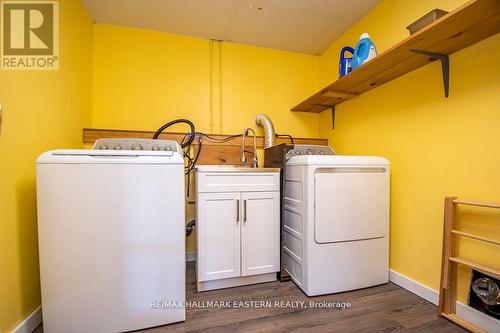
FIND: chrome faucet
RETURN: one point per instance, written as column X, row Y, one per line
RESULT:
column 255, row 161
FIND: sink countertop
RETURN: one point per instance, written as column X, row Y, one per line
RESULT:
column 233, row 168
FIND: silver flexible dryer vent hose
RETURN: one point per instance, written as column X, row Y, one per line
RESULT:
column 269, row 135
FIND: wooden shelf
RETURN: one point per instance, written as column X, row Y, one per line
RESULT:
column 472, row 22
column 482, row 268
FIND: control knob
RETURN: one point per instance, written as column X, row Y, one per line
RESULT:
column 137, row 146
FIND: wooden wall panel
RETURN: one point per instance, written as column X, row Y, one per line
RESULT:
column 90, row 135
column 212, row 152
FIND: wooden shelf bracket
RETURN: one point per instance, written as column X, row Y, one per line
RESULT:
column 445, row 65
column 332, row 107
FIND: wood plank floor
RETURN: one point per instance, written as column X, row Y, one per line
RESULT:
column 385, row 308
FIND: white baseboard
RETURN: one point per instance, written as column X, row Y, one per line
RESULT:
column 31, row 322
column 415, row 287
column 477, row 318
column 191, row 256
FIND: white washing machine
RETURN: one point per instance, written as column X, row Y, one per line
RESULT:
column 111, row 236
column 336, row 221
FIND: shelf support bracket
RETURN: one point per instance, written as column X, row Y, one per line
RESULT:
column 333, row 116
column 445, row 65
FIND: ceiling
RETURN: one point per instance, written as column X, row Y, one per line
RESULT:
column 305, row 26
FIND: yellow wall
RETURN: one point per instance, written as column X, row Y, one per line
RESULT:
column 143, row 79
column 436, row 146
column 257, row 80
column 42, row 110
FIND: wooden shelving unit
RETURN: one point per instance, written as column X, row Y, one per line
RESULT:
column 450, row 260
column 472, row 22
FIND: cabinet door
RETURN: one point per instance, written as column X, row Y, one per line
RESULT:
column 218, row 233
column 260, row 233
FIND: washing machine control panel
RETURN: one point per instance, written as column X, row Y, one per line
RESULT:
column 309, row 150
column 137, row 144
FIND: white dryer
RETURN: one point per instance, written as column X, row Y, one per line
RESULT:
column 336, row 221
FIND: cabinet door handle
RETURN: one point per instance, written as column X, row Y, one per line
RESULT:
column 237, row 210
column 244, row 210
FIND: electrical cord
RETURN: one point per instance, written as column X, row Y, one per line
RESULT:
column 226, row 139
column 190, row 136
column 285, row 135
column 187, row 141
column 192, row 162
column 185, row 144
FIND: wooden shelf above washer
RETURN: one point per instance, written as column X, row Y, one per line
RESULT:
column 472, row 22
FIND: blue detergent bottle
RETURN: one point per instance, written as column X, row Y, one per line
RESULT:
column 345, row 62
column 364, row 51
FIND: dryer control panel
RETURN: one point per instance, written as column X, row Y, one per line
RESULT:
column 309, row 150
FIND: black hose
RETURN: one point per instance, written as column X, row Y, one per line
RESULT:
column 178, row 121
column 188, row 139
column 197, row 153
column 185, row 144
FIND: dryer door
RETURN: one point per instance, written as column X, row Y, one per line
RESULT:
column 351, row 203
